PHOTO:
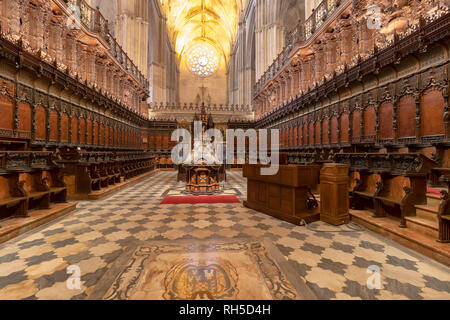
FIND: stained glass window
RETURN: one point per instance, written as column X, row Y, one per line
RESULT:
column 203, row 60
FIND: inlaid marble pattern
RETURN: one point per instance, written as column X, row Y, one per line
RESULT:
column 334, row 265
column 199, row 271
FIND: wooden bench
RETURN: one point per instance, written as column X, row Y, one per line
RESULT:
column 366, row 188
column 38, row 190
column 397, row 198
column 13, row 197
column 29, row 180
column 391, row 184
column 104, row 177
column 95, row 178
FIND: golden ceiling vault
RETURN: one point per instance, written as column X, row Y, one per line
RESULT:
column 191, row 22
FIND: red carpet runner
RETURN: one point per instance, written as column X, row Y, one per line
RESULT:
column 199, row 199
column 434, row 191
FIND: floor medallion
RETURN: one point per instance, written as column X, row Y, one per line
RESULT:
column 237, row 270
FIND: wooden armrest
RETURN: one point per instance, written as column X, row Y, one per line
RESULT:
column 38, row 195
column 445, row 218
column 364, row 194
column 11, row 202
column 57, row 189
column 389, row 200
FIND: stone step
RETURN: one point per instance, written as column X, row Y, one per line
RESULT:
column 423, row 226
column 427, row 212
column 433, row 200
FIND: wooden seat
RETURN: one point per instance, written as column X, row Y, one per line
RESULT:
column 397, row 197
column 365, row 191
column 390, row 183
column 37, row 188
column 13, row 198
column 364, row 194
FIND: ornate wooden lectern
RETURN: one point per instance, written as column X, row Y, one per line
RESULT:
column 334, row 202
column 202, row 179
column 285, row 195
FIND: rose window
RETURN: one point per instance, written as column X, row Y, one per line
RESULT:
column 203, row 61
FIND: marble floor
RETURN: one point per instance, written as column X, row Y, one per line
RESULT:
column 333, row 262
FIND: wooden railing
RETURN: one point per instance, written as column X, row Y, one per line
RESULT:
column 300, row 34
column 94, row 21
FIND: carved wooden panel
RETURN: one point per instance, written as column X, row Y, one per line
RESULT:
column 334, row 130
column 152, row 142
column 82, row 130
column 370, row 121
column 432, row 110
column 406, row 117
column 74, row 137
column 158, row 141
column 96, row 126
column 7, row 108
column 53, row 125
column 41, row 123
column 372, row 180
column 102, row 135
column 311, row 133
column 295, row 141
column 344, row 128
column 325, row 139
column 64, row 128
column 24, row 113
column 305, row 135
column 89, row 132
column 356, row 123
column 396, row 186
column 317, row 140
column 386, row 112
column 4, row 188
column 291, row 137
column 105, row 140
column 166, row 142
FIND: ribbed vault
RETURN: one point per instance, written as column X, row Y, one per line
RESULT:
column 193, row 21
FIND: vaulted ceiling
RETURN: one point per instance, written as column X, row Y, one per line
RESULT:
column 193, row 21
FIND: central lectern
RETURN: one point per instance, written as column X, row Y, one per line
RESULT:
column 286, row 195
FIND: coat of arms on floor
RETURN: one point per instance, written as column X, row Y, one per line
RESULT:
column 243, row 269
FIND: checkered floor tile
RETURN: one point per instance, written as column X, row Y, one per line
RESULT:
column 335, row 265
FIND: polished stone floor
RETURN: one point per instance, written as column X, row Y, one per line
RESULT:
column 334, row 265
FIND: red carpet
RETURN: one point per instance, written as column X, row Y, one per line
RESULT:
column 434, row 191
column 199, row 199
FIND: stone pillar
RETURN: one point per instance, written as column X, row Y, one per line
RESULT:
column 334, row 202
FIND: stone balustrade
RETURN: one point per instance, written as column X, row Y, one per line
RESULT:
column 195, row 107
